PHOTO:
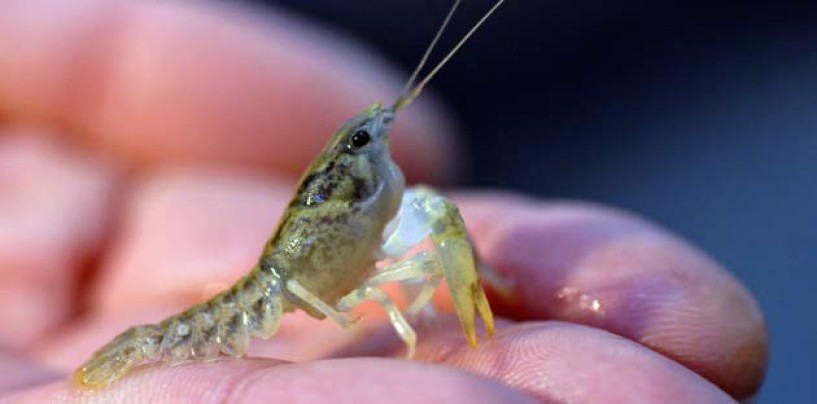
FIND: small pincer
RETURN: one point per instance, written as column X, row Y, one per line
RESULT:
column 459, row 264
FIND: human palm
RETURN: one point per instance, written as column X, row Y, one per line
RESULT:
column 174, row 134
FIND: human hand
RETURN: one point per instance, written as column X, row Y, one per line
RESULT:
column 145, row 195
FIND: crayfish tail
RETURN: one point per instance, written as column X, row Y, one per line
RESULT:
column 117, row 358
column 225, row 324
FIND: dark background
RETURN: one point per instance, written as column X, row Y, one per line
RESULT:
column 701, row 115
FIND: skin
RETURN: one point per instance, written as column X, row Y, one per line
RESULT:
column 127, row 149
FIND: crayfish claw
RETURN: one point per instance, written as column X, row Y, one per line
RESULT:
column 459, row 265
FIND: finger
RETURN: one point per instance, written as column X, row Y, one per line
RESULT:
column 605, row 268
column 351, row 380
column 157, row 82
column 55, row 209
column 562, row 362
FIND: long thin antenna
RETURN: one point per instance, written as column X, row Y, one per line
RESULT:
column 403, row 101
column 430, row 49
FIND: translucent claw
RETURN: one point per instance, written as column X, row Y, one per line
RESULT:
column 424, row 212
column 459, row 266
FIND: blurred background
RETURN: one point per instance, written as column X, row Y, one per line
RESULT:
column 701, row 115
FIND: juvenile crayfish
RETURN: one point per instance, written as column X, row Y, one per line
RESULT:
column 351, row 210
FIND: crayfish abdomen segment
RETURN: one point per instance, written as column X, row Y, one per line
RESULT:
column 252, row 308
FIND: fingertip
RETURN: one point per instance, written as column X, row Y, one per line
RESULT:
column 603, row 267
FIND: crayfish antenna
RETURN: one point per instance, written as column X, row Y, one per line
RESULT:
column 430, row 48
column 409, row 96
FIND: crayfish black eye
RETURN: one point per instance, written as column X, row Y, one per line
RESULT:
column 360, row 138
